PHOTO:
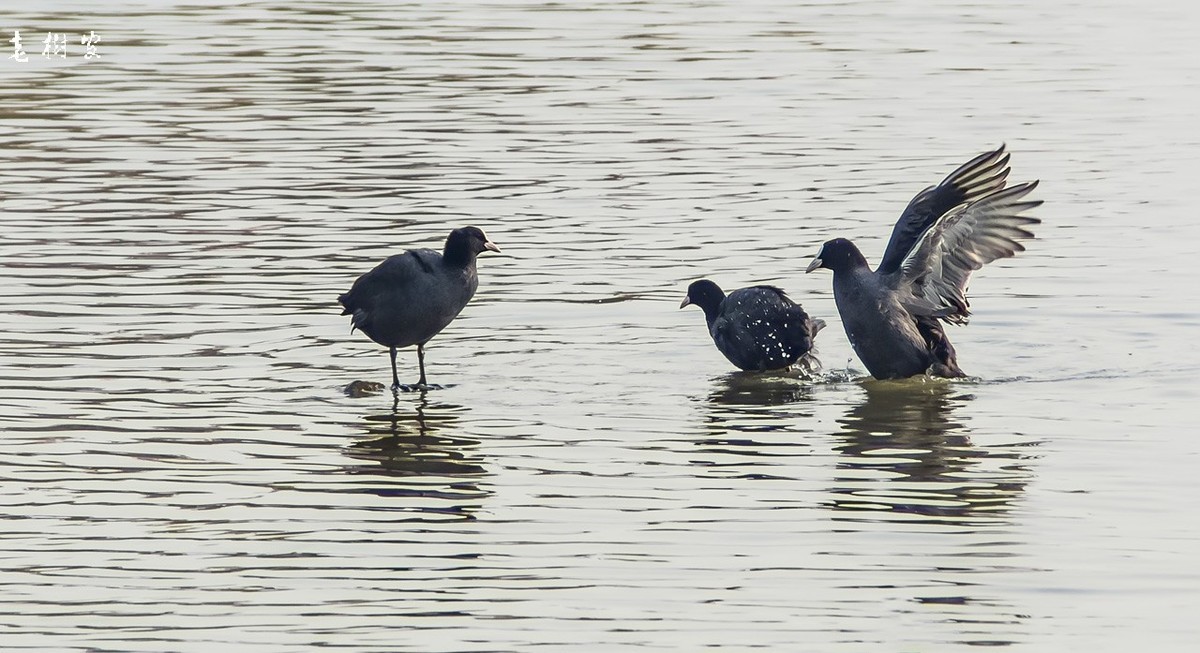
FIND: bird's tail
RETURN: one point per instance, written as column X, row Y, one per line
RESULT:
column 808, row 362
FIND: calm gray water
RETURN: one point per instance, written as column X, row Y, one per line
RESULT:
column 181, row 470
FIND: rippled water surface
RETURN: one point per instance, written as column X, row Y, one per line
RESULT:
column 182, row 470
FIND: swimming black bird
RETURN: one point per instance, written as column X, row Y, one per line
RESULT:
column 893, row 315
column 411, row 297
column 757, row 328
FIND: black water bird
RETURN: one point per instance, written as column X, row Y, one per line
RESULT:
column 893, row 315
column 409, row 298
column 756, row 328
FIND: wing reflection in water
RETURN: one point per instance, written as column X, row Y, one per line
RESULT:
column 412, row 445
column 906, row 457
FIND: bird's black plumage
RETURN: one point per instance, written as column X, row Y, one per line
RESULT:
column 756, row 328
column 409, row 298
column 893, row 315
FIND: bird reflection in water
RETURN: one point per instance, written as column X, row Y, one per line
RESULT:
column 757, row 414
column 411, row 444
column 744, row 389
column 904, row 452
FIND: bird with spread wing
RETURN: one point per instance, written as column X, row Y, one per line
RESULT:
column 893, row 315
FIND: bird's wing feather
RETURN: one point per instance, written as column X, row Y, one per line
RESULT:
column 938, row 268
column 974, row 179
column 784, row 300
column 401, row 273
column 774, row 326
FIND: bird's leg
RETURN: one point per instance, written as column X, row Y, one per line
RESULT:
column 421, row 363
column 395, row 377
column 420, row 385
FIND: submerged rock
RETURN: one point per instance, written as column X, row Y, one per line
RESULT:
column 363, row 388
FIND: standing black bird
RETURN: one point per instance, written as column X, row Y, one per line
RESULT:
column 893, row 316
column 757, row 328
column 411, row 297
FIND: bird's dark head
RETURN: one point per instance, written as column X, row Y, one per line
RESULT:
column 705, row 294
column 838, row 255
column 465, row 243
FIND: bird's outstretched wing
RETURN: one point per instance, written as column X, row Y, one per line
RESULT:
column 939, row 266
column 979, row 177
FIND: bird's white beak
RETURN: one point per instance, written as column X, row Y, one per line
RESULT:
column 687, row 301
column 489, row 245
column 816, row 263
